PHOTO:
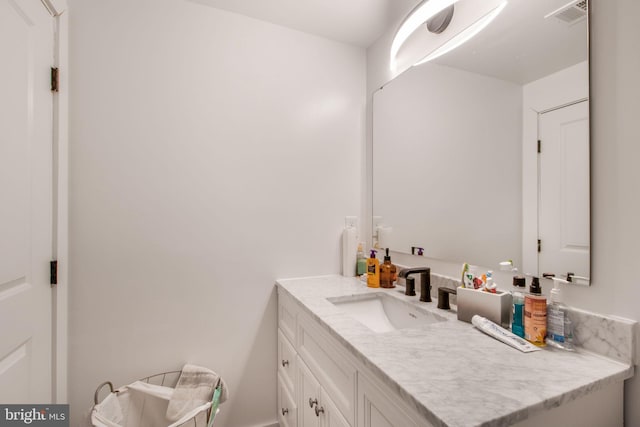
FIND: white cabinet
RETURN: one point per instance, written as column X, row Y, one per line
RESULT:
column 309, row 394
column 316, row 407
column 287, row 362
column 321, row 385
column 330, row 364
column 380, row 407
column 287, row 408
column 287, row 313
column 330, row 415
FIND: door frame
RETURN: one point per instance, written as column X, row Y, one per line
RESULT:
column 58, row 9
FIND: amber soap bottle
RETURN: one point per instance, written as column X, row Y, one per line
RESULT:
column 388, row 273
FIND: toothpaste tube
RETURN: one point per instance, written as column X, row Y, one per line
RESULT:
column 501, row 334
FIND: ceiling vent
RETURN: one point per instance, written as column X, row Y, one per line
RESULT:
column 571, row 13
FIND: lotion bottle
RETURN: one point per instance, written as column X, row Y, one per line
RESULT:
column 535, row 314
column 373, row 270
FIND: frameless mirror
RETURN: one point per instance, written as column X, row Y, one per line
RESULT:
column 483, row 154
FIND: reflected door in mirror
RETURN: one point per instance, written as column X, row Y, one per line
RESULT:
column 564, row 191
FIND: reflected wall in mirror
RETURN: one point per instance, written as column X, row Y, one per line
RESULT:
column 456, row 168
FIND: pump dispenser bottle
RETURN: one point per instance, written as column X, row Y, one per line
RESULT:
column 373, row 270
column 535, row 314
column 387, row 272
column 361, row 261
column 559, row 326
column 517, row 324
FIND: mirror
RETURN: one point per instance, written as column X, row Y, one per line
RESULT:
column 456, row 168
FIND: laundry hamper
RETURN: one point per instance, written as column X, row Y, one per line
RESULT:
column 144, row 403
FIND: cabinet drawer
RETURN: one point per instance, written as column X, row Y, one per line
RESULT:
column 328, row 362
column 287, row 316
column 287, row 361
column 287, row 410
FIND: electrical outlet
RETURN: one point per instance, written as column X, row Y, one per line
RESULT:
column 377, row 223
column 351, row 221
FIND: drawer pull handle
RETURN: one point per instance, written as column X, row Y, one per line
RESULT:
column 285, row 411
column 312, row 402
column 285, row 363
column 319, row 410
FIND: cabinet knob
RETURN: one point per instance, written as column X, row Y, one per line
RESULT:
column 312, row 402
column 285, row 363
column 319, row 410
column 285, row 411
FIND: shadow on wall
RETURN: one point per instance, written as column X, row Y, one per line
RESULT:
column 257, row 381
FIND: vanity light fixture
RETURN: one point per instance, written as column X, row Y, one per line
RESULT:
column 437, row 14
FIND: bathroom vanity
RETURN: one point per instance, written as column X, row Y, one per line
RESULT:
column 433, row 370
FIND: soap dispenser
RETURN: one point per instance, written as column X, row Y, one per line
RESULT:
column 361, row 261
column 517, row 324
column 559, row 326
column 535, row 314
column 388, row 273
column 373, row 270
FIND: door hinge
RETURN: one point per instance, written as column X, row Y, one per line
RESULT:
column 54, row 79
column 53, row 272
column 539, row 245
column 539, row 146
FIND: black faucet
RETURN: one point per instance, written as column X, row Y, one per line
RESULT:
column 425, row 282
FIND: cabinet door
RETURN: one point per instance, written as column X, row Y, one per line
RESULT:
column 287, row 408
column 330, row 416
column 377, row 408
column 308, row 396
column 327, row 360
column 286, row 361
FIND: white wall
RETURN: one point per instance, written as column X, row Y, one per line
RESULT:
column 210, row 154
column 615, row 108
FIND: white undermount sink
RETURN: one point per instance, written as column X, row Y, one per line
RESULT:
column 383, row 313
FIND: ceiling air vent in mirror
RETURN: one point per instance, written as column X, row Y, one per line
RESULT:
column 571, row 13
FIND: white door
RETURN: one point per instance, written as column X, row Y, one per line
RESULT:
column 26, row 44
column 563, row 224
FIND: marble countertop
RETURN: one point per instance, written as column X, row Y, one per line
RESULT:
column 450, row 372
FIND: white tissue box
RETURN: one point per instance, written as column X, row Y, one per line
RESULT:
column 495, row 307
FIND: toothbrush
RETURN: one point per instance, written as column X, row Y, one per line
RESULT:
column 465, row 268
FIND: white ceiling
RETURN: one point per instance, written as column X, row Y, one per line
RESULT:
column 519, row 46
column 356, row 22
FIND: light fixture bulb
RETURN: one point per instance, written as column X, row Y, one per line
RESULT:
column 474, row 16
column 421, row 14
column 465, row 35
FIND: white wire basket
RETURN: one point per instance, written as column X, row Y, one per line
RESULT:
column 144, row 403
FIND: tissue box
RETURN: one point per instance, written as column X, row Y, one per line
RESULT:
column 495, row 307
